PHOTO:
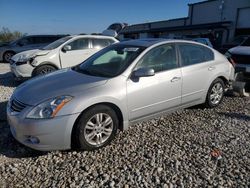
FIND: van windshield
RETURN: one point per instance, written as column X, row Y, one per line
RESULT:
column 56, row 44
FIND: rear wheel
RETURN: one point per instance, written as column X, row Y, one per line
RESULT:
column 44, row 69
column 7, row 56
column 96, row 128
column 215, row 93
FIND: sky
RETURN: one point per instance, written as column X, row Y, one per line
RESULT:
column 84, row 16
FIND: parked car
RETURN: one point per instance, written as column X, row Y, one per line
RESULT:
column 7, row 50
column 238, row 41
column 65, row 52
column 127, row 82
column 240, row 57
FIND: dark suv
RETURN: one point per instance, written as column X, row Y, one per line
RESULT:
column 238, row 41
column 7, row 50
column 240, row 56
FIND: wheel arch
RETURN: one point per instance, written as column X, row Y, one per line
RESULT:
column 224, row 79
column 45, row 63
column 222, row 76
column 3, row 54
column 111, row 105
column 9, row 51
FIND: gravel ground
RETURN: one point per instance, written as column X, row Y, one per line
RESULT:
column 171, row 151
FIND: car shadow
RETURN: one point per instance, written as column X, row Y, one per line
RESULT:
column 238, row 116
column 7, row 80
column 6, row 75
column 9, row 147
column 3, row 106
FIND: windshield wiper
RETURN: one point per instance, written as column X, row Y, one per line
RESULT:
column 83, row 71
column 100, row 73
column 91, row 72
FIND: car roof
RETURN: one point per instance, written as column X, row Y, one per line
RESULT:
column 92, row 36
column 144, row 42
column 151, row 41
column 45, row 35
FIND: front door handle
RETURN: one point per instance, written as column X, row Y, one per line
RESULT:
column 175, row 79
column 211, row 68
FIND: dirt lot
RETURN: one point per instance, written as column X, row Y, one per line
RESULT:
column 171, row 151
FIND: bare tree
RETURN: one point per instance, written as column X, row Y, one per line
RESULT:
column 6, row 35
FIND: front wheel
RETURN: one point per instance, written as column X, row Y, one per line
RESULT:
column 44, row 69
column 96, row 128
column 7, row 56
column 215, row 93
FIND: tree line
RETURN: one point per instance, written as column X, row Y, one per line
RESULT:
column 6, row 35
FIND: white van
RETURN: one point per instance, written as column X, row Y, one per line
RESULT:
column 65, row 52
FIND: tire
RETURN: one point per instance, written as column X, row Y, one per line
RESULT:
column 7, row 56
column 88, row 135
column 44, row 69
column 215, row 93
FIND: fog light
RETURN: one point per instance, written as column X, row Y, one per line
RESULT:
column 32, row 140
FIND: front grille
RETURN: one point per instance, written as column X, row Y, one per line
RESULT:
column 17, row 106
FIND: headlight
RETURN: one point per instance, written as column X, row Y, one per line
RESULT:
column 26, row 57
column 32, row 61
column 49, row 109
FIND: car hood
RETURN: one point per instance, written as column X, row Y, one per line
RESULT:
column 62, row 82
column 29, row 54
column 242, row 50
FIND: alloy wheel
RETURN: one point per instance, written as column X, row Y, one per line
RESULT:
column 46, row 71
column 98, row 129
column 216, row 93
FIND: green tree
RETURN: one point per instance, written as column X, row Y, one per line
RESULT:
column 6, row 35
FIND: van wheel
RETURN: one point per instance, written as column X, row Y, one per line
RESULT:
column 7, row 56
column 96, row 128
column 215, row 93
column 44, row 69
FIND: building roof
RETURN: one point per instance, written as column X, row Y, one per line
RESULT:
column 207, row 1
column 185, row 27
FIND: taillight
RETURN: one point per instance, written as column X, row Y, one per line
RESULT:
column 232, row 61
column 229, row 58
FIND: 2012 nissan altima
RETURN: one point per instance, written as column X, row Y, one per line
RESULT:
column 127, row 82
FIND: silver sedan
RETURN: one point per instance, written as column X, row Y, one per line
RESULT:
column 84, row 106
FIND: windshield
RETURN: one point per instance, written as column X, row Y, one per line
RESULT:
column 110, row 61
column 57, row 43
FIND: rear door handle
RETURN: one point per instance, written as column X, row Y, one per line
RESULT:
column 175, row 79
column 211, row 68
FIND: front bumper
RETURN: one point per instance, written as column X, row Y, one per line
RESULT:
column 50, row 134
column 21, row 71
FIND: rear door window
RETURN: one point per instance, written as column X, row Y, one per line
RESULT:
column 192, row 54
column 79, row 44
column 39, row 40
column 26, row 41
column 101, row 43
column 51, row 39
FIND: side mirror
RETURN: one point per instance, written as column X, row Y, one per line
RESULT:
column 143, row 72
column 66, row 48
